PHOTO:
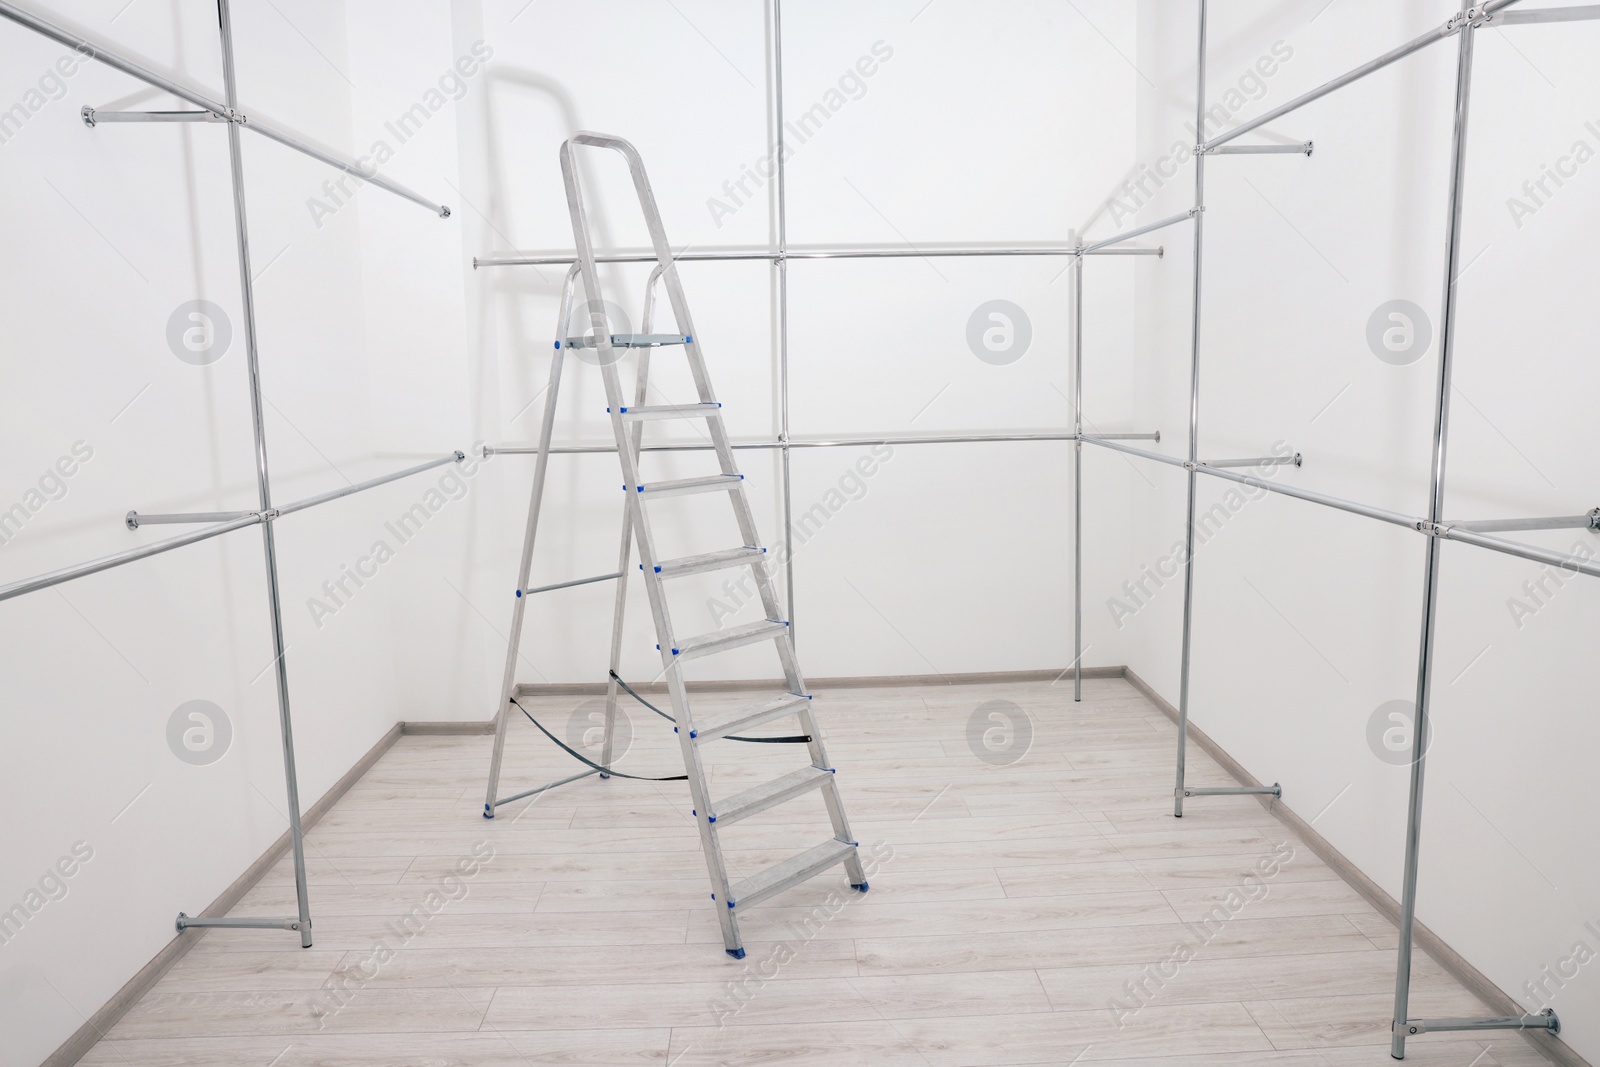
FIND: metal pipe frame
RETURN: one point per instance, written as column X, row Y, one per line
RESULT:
column 1468, row 17
column 194, row 922
column 1430, row 586
column 93, row 117
column 1178, row 791
column 1545, row 1020
column 1588, row 521
column 269, row 546
column 226, row 110
column 1259, row 461
column 226, row 522
column 371, row 483
column 1303, row 149
column 105, row 563
column 1540, row 16
column 1443, row 531
column 1077, row 478
column 782, row 268
column 837, row 442
column 133, row 520
column 1433, row 526
column 741, row 255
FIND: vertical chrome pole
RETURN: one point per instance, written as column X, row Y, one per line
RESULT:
column 263, row 481
column 783, row 311
column 1077, row 477
column 1430, row 588
column 1194, row 416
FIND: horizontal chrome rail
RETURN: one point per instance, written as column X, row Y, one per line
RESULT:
column 1545, row 15
column 105, row 563
column 840, row 442
column 370, row 483
column 238, row 521
column 1295, row 460
column 1571, row 564
column 1302, row 149
column 93, row 117
column 133, row 520
column 1545, row 1020
column 738, row 255
column 1588, row 521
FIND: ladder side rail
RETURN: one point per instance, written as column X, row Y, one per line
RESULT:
column 525, row 567
column 671, row 666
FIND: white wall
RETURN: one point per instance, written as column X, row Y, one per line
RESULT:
column 1307, row 619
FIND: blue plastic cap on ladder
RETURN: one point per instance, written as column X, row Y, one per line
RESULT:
column 711, row 818
column 692, row 733
column 558, row 344
column 488, row 811
column 862, row 888
column 519, row 594
column 658, row 569
column 736, row 953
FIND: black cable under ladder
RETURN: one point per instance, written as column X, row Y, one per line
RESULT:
column 798, row 739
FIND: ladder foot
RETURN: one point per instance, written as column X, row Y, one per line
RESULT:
column 736, row 953
column 488, row 811
column 603, row 776
column 862, row 888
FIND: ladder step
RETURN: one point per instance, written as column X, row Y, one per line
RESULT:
column 629, row 340
column 709, row 561
column 769, row 795
column 733, row 637
column 792, row 871
column 748, row 717
column 690, row 486
column 668, row 411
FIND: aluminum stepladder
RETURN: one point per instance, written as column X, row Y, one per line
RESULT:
column 711, row 815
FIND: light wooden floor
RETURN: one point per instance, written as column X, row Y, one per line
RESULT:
column 1017, row 904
